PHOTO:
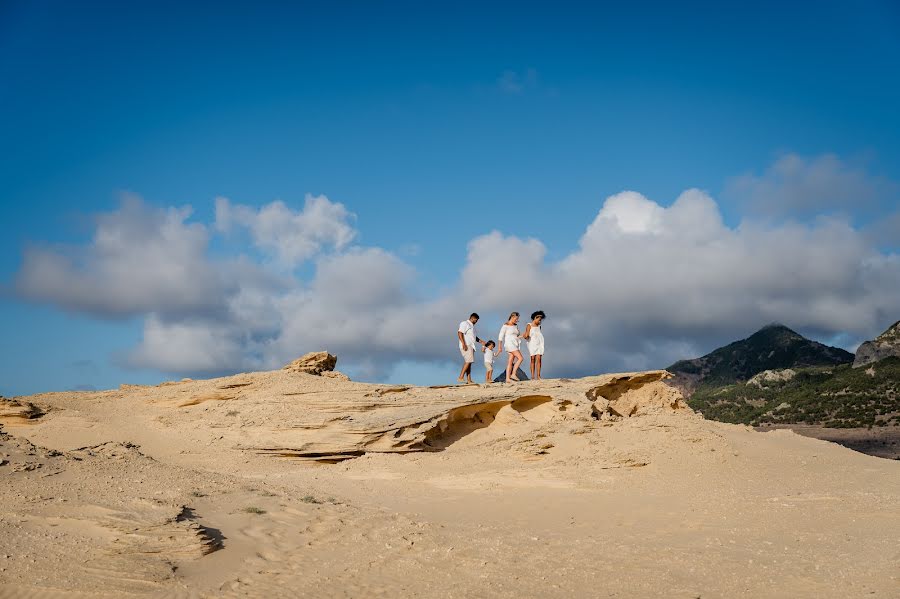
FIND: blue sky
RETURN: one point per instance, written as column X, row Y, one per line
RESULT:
column 434, row 127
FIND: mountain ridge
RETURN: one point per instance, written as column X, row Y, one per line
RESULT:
column 774, row 346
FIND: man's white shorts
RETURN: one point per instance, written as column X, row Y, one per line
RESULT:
column 468, row 354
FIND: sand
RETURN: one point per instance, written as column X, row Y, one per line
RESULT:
column 880, row 441
column 284, row 484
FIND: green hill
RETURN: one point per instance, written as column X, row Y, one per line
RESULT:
column 837, row 396
column 772, row 347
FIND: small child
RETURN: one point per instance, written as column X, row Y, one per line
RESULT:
column 489, row 360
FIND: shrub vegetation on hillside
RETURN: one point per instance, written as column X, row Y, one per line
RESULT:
column 834, row 396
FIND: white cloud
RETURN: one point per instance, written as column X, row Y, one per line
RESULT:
column 362, row 278
column 141, row 259
column 627, row 212
column 803, row 187
column 646, row 281
column 648, row 284
column 885, row 231
column 290, row 236
column 192, row 346
column 500, row 269
column 348, row 308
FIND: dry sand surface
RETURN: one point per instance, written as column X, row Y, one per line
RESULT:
column 284, row 484
column 881, row 441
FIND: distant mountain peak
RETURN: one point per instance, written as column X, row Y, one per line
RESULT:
column 773, row 347
column 777, row 327
column 776, row 334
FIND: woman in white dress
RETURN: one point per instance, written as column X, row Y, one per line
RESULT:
column 535, row 337
column 509, row 339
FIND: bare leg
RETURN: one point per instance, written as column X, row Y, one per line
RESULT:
column 469, row 372
column 462, row 373
column 532, row 366
column 515, row 366
column 509, row 364
column 489, row 376
column 537, row 366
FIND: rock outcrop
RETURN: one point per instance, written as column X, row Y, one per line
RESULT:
column 635, row 395
column 772, row 376
column 884, row 346
column 428, row 419
column 12, row 410
column 315, row 362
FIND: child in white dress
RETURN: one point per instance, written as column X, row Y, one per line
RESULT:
column 489, row 360
column 535, row 337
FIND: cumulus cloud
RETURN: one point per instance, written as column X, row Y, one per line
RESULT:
column 193, row 346
column 647, row 284
column 141, row 259
column 290, row 236
column 884, row 231
column 797, row 186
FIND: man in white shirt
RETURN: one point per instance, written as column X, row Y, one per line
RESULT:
column 467, row 341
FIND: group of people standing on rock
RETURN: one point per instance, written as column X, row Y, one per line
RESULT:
column 509, row 339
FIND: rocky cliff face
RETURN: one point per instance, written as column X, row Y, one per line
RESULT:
column 884, row 346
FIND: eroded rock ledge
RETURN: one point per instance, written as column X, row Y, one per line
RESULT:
column 16, row 411
column 294, row 412
column 411, row 419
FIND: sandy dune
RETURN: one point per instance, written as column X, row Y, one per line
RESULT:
column 287, row 484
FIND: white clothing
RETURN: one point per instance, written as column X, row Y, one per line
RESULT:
column 468, row 354
column 488, row 358
column 509, row 337
column 468, row 330
column 536, row 341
